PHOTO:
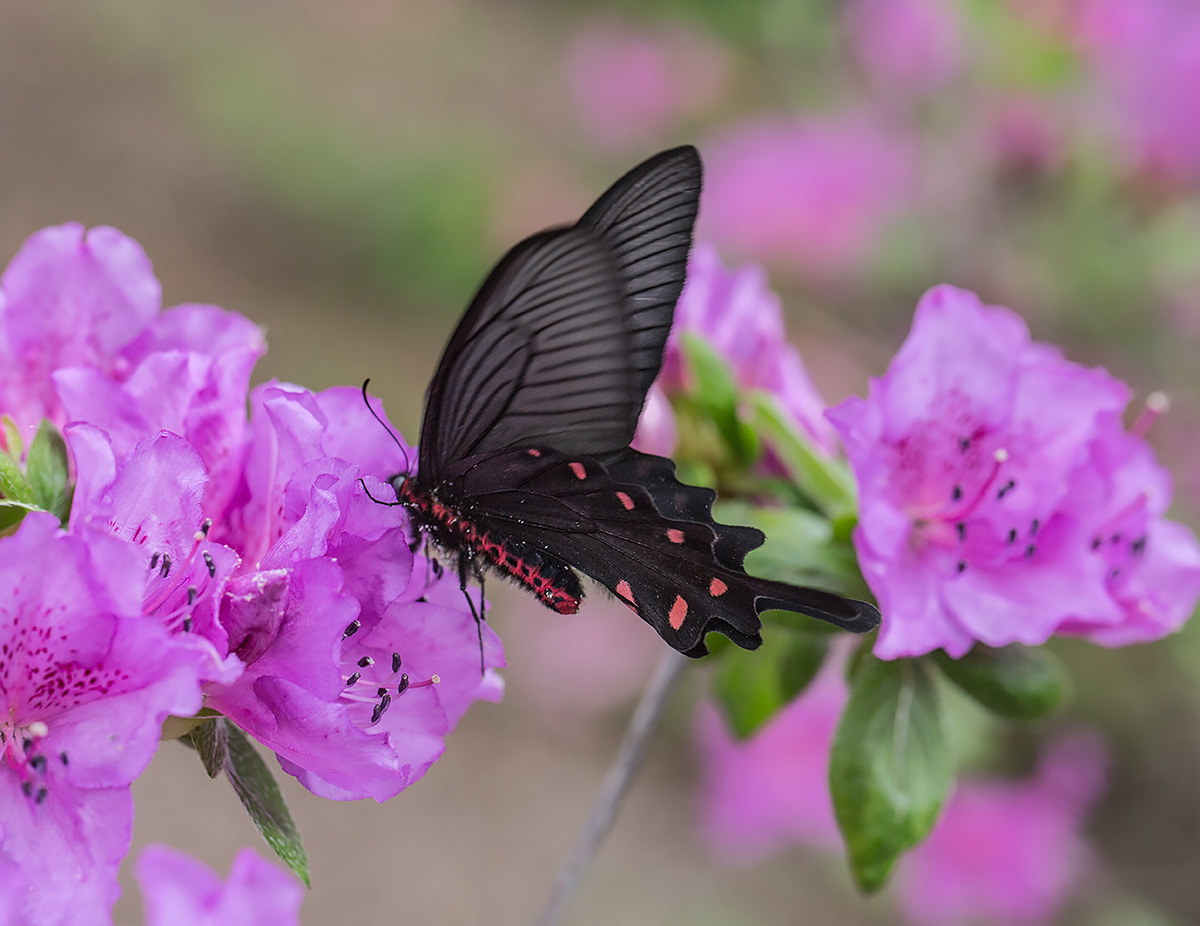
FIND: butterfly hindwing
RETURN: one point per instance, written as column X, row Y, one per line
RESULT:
column 664, row 568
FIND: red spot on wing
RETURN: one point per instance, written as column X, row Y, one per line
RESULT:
column 675, row 535
column 578, row 470
column 678, row 613
column 625, row 591
column 716, row 588
column 625, row 500
column 535, row 453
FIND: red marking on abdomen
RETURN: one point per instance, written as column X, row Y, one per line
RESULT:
column 579, row 470
column 675, row 535
column 625, row 500
column 717, row 588
column 678, row 613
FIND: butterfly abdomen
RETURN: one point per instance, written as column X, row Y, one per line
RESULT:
column 553, row 582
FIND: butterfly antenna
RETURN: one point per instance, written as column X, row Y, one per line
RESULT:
column 367, row 402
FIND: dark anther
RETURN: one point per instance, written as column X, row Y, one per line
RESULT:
column 962, row 565
column 1115, row 538
column 964, row 444
column 380, row 708
column 154, row 561
column 403, row 686
column 63, row 756
column 396, row 662
column 1096, row 541
column 351, row 628
column 27, row 788
column 422, row 599
column 353, row 679
column 166, row 566
column 961, row 527
column 1138, row 546
column 1030, row 550
column 188, row 624
column 41, row 795
column 192, row 593
column 1012, row 535
column 206, row 526
column 26, row 744
column 1006, row 488
column 38, row 764
column 212, row 567
column 1114, row 573
column 380, row 692
column 956, row 493
column 366, row 661
column 1033, row 528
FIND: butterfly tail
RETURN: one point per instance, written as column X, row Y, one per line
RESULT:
column 846, row 613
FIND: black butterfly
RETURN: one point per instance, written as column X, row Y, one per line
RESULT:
column 525, row 464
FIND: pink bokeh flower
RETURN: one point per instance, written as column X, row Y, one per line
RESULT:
column 772, row 790
column 1007, row 852
column 977, row 457
column 813, row 195
column 1145, row 55
column 86, row 681
column 177, row 890
column 905, row 47
column 629, row 85
column 1003, row 852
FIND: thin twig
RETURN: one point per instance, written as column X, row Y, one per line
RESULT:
column 616, row 784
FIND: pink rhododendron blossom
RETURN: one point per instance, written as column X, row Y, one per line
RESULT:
column 630, row 85
column 1006, row 852
column 177, row 890
column 82, row 338
column 152, row 497
column 1146, row 59
column 86, row 681
column 772, row 790
column 812, row 195
column 908, row 47
column 359, row 658
column 974, row 456
column 742, row 319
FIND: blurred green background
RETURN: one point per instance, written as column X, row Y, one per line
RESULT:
column 344, row 174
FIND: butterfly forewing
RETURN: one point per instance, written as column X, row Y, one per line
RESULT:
column 525, row 461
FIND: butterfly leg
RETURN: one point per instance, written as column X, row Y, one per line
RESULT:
column 465, row 563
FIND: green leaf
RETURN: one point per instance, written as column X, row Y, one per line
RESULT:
column 11, row 514
column 13, row 445
column 1015, row 681
column 800, row 548
column 889, row 770
column 827, row 481
column 716, row 393
column 211, row 741
column 259, row 793
column 751, row 686
column 47, row 471
column 13, row 486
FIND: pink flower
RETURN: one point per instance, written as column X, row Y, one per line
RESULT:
column 812, row 195
column 85, row 684
column 1006, row 852
column 177, row 890
column 906, row 47
column 739, row 316
column 977, row 458
column 629, row 85
column 359, row 659
column 772, row 791
column 82, row 338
